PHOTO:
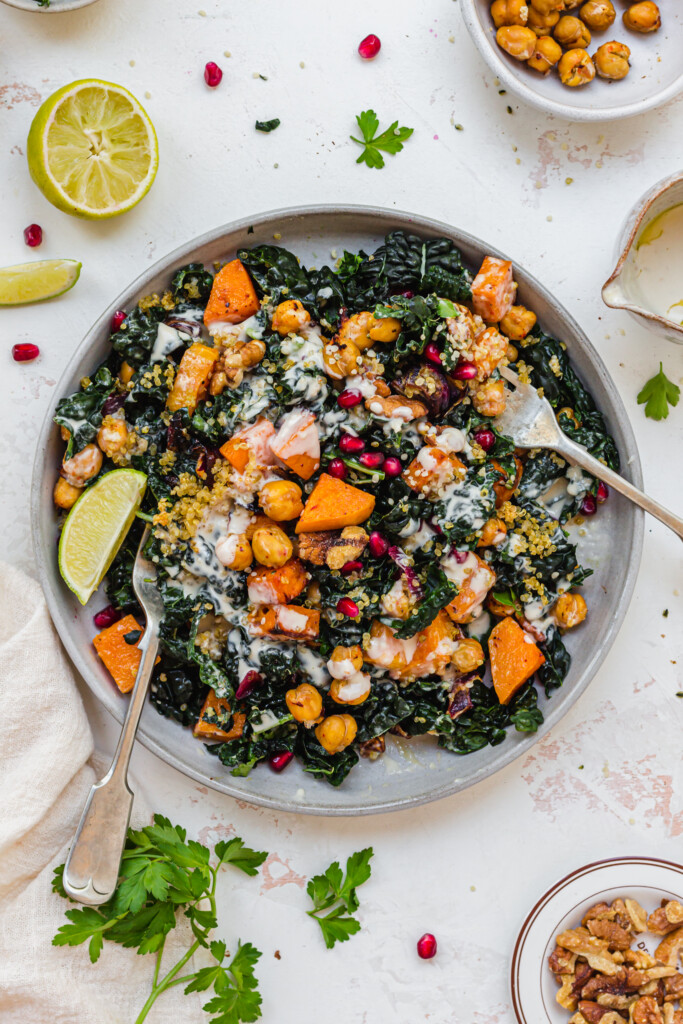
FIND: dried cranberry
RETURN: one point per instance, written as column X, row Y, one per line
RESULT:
column 465, row 371
column 25, row 353
column 392, row 466
column 589, row 505
column 212, row 74
column 107, row 617
column 117, row 320
column 349, row 567
column 337, row 469
column 485, row 439
column 432, row 354
column 347, row 399
column 603, row 493
column 426, row 946
column 33, row 235
column 407, row 294
column 371, row 460
column 378, row 544
column 278, row 762
column 369, row 47
column 249, row 683
column 112, row 404
column 175, row 435
column 351, row 445
column 345, row 606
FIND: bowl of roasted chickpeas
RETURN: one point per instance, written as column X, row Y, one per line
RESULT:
column 586, row 60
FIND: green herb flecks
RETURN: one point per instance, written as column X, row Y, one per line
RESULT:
column 334, row 897
column 389, row 141
column 267, row 126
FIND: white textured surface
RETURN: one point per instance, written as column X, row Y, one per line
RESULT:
column 608, row 780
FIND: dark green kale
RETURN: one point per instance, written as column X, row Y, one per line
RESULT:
column 267, row 126
column 438, row 592
column 333, row 768
column 557, row 661
column 135, row 339
column 82, row 412
column 176, row 691
column 192, row 284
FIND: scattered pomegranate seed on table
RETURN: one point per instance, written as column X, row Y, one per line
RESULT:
column 25, row 353
column 426, row 946
column 345, row 606
column 351, row 445
column 117, row 319
column 485, row 439
column 369, row 47
column 348, row 398
column 603, row 492
column 212, row 74
column 278, row 762
column 589, row 505
column 107, row 617
column 337, row 469
column 392, row 466
column 33, row 235
column 378, row 544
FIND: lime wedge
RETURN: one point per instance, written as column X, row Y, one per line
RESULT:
column 37, row 281
column 96, row 527
column 92, row 149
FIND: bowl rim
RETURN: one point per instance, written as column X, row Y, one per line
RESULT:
column 506, row 752
column 495, row 61
column 56, row 6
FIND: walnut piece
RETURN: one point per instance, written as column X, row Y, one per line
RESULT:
column 616, row 936
column 646, row 1011
column 627, row 979
column 596, row 1014
column 313, row 547
column 666, row 918
column 372, row 749
column 581, row 942
column 670, row 949
column 561, row 961
column 637, row 915
column 346, row 547
column 673, row 988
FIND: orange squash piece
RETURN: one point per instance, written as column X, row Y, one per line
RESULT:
column 433, row 468
column 493, row 289
column 514, row 658
column 250, row 442
column 476, row 585
column 297, row 443
column 277, row 586
column 503, row 492
column 428, row 652
column 121, row 659
column 333, row 504
column 233, row 297
column 192, row 378
column 285, row 621
column 207, row 727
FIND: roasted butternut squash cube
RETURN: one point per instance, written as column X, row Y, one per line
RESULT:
column 208, row 725
column 333, row 504
column 192, row 379
column 233, row 297
column 514, row 658
column 121, row 658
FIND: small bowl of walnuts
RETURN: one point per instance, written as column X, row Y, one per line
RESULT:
column 587, row 60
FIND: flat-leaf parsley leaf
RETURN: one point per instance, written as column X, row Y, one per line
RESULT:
column 336, row 893
column 658, row 394
column 390, row 141
column 267, row 126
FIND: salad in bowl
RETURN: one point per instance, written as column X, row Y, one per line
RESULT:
column 346, row 545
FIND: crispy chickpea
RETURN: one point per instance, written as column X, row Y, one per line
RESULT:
column 494, row 532
column 112, row 435
column 305, row 703
column 489, row 398
column 547, row 6
column 290, row 317
column 257, row 521
column 509, row 12
column 336, row 732
column 64, row 495
column 576, row 68
column 517, row 323
column 385, row 330
column 281, row 500
column 542, row 24
column 341, row 359
column 83, row 466
column 598, row 14
column 516, row 40
column 612, row 60
column 234, row 551
column 356, row 330
column 126, row 373
column 571, row 32
column 643, row 17
column 468, row 655
column 271, row 546
column 570, row 610
column 511, row 353
column 546, row 55
column 345, row 661
column 342, row 690
column 570, row 5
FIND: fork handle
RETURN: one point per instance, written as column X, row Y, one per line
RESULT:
column 575, row 453
column 92, row 868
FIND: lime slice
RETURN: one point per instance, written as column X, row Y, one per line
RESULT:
column 96, row 527
column 92, row 149
column 37, row 281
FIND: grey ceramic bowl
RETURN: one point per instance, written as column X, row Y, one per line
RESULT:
column 411, row 772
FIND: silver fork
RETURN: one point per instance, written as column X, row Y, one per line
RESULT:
column 530, row 421
column 92, row 868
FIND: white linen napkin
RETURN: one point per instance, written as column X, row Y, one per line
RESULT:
column 47, row 766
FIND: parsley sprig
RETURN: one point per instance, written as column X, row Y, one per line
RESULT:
column 390, row 141
column 334, row 897
column 162, row 872
column 658, row 394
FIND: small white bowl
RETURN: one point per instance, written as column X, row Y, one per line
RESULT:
column 622, row 289
column 656, row 74
column 56, row 6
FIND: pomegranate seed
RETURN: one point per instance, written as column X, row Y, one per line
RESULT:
column 347, row 399
column 589, row 505
column 459, row 556
column 345, row 606
column 25, row 353
column 378, row 544
column 117, row 320
column 107, row 617
column 407, row 294
column 33, row 235
column 337, row 469
column 350, row 567
column 351, row 445
column 603, row 493
column 392, row 466
column 485, row 439
column 465, row 371
column 278, row 762
column 249, row 683
column 371, row 460
column 432, row 354
column 426, row 946
column 369, row 47
column 212, row 74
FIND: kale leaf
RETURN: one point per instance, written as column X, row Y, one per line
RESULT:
column 81, row 413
